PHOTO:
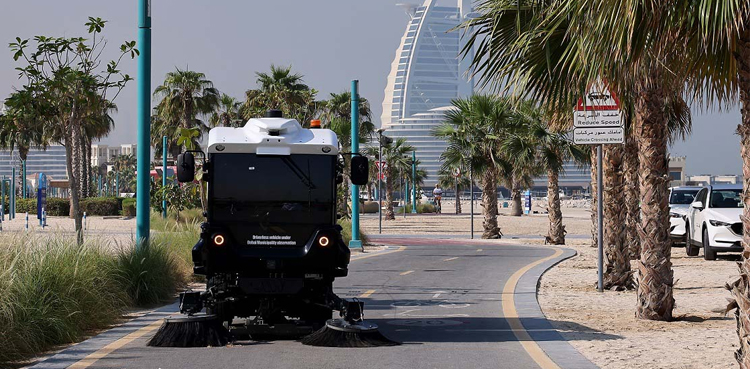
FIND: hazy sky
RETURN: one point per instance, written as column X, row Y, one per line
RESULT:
column 330, row 42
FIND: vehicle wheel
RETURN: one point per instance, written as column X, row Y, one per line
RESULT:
column 690, row 249
column 708, row 252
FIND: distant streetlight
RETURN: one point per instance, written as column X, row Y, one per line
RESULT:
column 381, row 140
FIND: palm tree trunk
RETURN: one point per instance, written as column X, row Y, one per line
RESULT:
column 632, row 197
column 489, row 205
column 741, row 287
column 458, row 199
column 594, row 198
column 617, row 274
column 655, row 276
column 389, row 215
column 515, row 196
column 556, row 234
column 73, row 162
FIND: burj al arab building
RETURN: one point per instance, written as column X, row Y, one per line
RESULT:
column 426, row 74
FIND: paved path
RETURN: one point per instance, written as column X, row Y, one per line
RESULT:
column 453, row 303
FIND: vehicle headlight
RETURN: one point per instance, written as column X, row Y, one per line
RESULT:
column 675, row 215
column 718, row 223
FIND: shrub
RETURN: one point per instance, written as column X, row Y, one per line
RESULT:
column 421, row 208
column 150, row 274
column 128, row 207
column 102, row 206
column 346, row 232
column 55, row 206
column 53, row 291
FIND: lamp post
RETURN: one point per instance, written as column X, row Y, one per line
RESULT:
column 381, row 163
column 143, row 223
column 12, row 200
column 355, row 242
column 23, row 180
column 471, row 186
column 414, row 182
column 164, row 175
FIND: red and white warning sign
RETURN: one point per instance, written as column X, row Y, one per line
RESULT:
column 597, row 117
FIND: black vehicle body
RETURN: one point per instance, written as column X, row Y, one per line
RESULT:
column 270, row 248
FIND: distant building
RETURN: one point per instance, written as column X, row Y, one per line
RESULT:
column 105, row 154
column 52, row 162
column 677, row 170
column 426, row 74
column 707, row 179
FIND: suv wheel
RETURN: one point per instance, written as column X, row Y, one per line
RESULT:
column 690, row 249
column 708, row 251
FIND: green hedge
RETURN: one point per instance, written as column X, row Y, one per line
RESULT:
column 128, row 207
column 55, row 206
column 102, row 206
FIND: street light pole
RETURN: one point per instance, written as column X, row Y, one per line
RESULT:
column 355, row 242
column 380, row 179
column 414, row 182
column 471, row 186
column 23, row 181
column 164, row 175
column 143, row 223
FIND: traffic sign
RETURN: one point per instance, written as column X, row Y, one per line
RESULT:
column 599, row 135
column 597, row 118
column 598, row 97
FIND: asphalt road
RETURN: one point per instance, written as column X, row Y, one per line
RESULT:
column 441, row 298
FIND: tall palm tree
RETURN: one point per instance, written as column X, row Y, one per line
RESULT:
column 552, row 50
column 537, row 144
column 474, row 127
column 455, row 178
column 280, row 89
column 226, row 113
column 339, row 106
column 395, row 155
column 185, row 95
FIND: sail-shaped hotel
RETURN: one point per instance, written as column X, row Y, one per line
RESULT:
column 426, row 74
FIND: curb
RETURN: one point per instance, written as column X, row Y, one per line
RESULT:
column 75, row 353
column 535, row 322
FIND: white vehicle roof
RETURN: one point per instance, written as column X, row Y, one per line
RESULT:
column 272, row 136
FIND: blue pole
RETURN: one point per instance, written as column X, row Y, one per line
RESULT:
column 413, row 182
column 164, row 174
column 117, row 183
column 143, row 223
column 355, row 241
column 12, row 213
column 3, row 209
column 99, row 177
column 23, row 181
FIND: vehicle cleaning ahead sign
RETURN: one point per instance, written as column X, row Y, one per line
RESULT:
column 597, row 117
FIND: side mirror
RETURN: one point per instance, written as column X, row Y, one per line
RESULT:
column 185, row 167
column 697, row 205
column 360, row 170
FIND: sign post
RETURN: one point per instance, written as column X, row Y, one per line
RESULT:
column 598, row 121
column 41, row 198
column 527, row 202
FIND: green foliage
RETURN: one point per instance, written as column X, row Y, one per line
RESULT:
column 53, row 291
column 187, row 220
column 56, row 207
column 150, row 274
column 421, row 208
column 101, row 206
column 280, row 89
column 128, row 207
column 179, row 197
column 346, row 232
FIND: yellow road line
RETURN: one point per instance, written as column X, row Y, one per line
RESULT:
column 401, row 248
column 366, row 294
column 449, row 259
column 406, row 272
column 106, row 350
column 511, row 315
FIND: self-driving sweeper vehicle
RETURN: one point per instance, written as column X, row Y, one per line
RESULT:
column 270, row 247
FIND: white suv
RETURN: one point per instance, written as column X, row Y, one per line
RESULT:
column 713, row 221
column 680, row 199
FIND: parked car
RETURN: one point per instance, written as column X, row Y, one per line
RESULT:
column 713, row 221
column 680, row 199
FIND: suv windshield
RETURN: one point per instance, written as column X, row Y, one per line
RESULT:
column 271, row 200
column 682, row 197
column 726, row 199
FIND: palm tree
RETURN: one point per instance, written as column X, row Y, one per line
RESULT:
column 475, row 125
column 537, row 144
column 185, row 95
column 455, row 178
column 395, row 155
column 19, row 128
column 226, row 113
column 280, row 89
column 339, row 106
column 543, row 57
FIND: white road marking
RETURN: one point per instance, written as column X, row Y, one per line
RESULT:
column 449, row 259
column 407, row 272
